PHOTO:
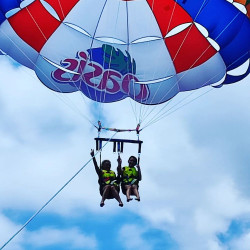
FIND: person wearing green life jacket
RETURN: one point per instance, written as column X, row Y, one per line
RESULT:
column 109, row 184
column 130, row 177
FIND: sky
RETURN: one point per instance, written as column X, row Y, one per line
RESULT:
column 195, row 171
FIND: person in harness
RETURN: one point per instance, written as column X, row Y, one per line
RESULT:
column 130, row 177
column 109, row 185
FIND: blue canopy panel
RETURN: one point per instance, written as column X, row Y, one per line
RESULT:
column 224, row 29
column 233, row 79
column 2, row 17
column 236, row 52
column 6, row 5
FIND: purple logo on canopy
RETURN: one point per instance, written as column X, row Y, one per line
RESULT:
column 104, row 69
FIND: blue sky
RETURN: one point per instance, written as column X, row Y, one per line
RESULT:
column 195, row 166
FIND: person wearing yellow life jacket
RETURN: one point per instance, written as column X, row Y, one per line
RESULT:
column 109, row 184
column 130, row 177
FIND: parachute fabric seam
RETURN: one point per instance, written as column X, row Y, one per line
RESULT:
column 69, row 75
column 142, row 106
column 112, row 51
column 128, row 41
column 59, row 1
column 128, row 30
column 36, row 24
column 91, row 45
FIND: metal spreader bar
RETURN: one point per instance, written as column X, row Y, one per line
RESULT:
column 118, row 144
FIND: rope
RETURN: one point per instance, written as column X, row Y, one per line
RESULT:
column 162, row 115
column 176, row 84
column 78, row 88
column 70, row 104
column 152, row 120
column 132, row 104
column 146, row 108
column 165, row 114
column 32, row 217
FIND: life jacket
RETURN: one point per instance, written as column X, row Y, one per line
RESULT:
column 108, row 177
column 130, row 175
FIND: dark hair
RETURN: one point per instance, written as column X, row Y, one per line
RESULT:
column 105, row 162
column 134, row 158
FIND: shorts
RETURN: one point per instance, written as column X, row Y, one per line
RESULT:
column 124, row 188
column 110, row 195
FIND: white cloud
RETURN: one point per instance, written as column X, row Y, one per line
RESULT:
column 190, row 178
column 222, row 203
column 241, row 243
column 131, row 237
column 40, row 144
column 50, row 236
column 43, row 237
column 194, row 163
column 7, row 227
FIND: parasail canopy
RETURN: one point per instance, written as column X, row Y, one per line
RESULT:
column 147, row 50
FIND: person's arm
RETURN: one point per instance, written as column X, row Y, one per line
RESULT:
column 139, row 172
column 97, row 169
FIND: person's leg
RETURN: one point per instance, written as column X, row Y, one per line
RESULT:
column 116, row 195
column 128, row 192
column 106, row 190
column 135, row 191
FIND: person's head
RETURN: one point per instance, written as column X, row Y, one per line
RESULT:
column 106, row 165
column 132, row 161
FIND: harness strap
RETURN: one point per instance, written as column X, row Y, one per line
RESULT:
column 133, row 181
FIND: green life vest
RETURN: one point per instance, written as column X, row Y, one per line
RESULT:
column 130, row 175
column 109, row 177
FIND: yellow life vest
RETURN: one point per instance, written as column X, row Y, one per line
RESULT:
column 109, row 177
column 130, row 175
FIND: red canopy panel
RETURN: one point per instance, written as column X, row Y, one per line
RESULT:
column 168, row 14
column 62, row 7
column 34, row 24
column 189, row 49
